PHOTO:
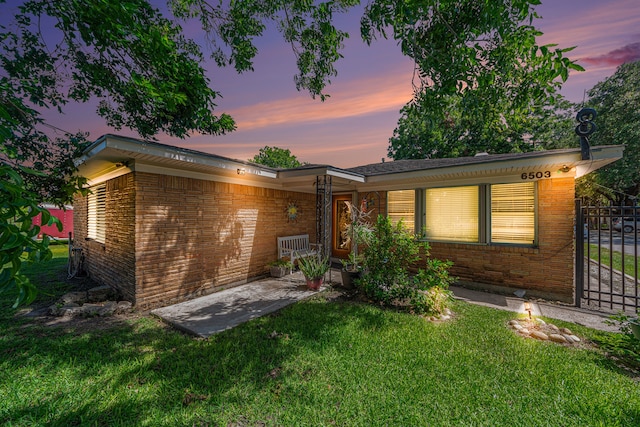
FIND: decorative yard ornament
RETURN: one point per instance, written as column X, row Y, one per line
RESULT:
column 292, row 212
column 586, row 127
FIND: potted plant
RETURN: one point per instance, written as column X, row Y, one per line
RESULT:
column 313, row 268
column 351, row 269
column 280, row 268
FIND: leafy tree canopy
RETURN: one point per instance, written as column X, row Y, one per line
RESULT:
column 481, row 75
column 617, row 101
column 276, row 157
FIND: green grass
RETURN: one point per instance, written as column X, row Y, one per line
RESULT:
column 328, row 363
column 631, row 263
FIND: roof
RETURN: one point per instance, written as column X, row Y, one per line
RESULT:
column 398, row 166
column 112, row 155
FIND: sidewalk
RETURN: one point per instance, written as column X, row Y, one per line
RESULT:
column 588, row 318
column 226, row 309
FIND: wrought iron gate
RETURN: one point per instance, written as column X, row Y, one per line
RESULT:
column 607, row 246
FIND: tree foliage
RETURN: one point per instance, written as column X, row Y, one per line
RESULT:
column 481, row 74
column 137, row 65
column 18, row 234
column 616, row 99
column 276, row 157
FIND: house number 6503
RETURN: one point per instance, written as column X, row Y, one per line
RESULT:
column 536, row 175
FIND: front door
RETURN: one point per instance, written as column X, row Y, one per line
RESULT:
column 340, row 242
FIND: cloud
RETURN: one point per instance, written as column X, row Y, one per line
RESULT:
column 360, row 98
column 614, row 58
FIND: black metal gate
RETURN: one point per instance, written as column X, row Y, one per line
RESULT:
column 607, row 246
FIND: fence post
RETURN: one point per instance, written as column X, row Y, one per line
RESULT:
column 579, row 253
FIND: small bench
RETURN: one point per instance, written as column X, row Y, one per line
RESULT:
column 296, row 247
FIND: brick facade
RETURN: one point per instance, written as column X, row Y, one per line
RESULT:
column 171, row 238
column 546, row 271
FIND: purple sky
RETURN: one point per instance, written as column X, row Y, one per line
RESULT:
column 354, row 125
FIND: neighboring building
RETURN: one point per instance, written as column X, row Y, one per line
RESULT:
column 65, row 216
column 164, row 224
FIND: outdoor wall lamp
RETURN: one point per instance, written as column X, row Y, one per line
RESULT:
column 527, row 308
column 564, row 169
column 241, row 171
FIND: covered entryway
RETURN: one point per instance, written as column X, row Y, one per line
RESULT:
column 607, row 265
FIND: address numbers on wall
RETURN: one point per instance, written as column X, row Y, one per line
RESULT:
column 535, row 175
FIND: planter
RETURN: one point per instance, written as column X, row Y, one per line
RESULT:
column 635, row 328
column 314, row 284
column 279, row 271
column 348, row 277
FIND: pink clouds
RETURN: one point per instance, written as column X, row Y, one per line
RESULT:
column 614, row 58
column 370, row 96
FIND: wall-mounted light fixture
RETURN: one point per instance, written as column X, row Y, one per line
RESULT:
column 241, row 171
column 564, row 169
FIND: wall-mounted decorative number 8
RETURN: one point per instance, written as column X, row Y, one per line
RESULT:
column 586, row 116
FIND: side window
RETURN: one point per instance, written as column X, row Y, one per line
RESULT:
column 513, row 213
column 401, row 204
column 96, row 201
column 452, row 214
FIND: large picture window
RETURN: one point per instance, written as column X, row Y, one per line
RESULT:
column 96, row 201
column 452, row 214
column 513, row 213
column 401, row 205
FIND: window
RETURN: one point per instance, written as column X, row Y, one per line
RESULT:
column 513, row 213
column 452, row 214
column 96, row 201
column 401, row 205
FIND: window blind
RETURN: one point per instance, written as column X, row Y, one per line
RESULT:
column 96, row 223
column 452, row 214
column 513, row 213
column 401, row 204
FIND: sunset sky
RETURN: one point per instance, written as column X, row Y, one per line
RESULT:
column 354, row 125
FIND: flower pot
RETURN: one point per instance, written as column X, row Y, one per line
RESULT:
column 348, row 277
column 279, row 271
column 635, row 328
column 314, row 284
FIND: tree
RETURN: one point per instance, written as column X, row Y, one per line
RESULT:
column 276, row 157
column 616, row 100
column 145, row 74
column 481, row 75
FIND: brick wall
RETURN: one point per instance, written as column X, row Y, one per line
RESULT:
column 195, row 236
column 111, row 263
column 170, row 238
column 546, row 271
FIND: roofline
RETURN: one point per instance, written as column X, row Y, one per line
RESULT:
column 169, row 151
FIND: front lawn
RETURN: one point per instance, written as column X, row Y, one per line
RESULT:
column 607, row 257
column 314, row 363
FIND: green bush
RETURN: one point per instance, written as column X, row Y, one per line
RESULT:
column 389, row 255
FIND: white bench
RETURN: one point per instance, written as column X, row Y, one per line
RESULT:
column 296, row 247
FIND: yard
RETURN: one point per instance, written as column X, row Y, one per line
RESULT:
column 319, row 362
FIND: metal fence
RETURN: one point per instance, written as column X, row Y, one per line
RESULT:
column 607, row 246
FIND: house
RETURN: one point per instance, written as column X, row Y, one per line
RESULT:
column 164, row 224
column 64, row 215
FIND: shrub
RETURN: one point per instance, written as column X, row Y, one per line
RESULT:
column 389, row 255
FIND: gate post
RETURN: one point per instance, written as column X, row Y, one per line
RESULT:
column 579, row 253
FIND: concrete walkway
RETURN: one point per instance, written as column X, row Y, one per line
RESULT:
column 226, row 309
